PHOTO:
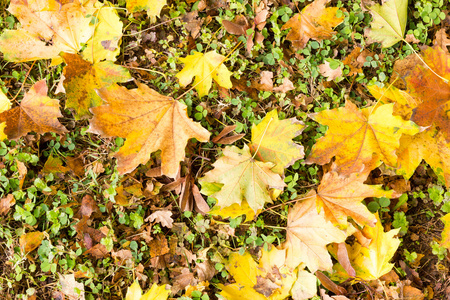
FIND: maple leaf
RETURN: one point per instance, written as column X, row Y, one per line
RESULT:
column 389, row 22
column 360, row 137
column 404, row 102
column 242, row 177
column 156, row 292
column 205, row 68
column 30, row 241
column 150, row 122
column 36, row 112
column 373, row 262
column 432, row 90
column 82, row 78
column 340, row 197
column 269, row 279
column 308, row 233
column 445, row 236
column 314, row 22
column 163, row 217
column 429, row 145
column 104, row 44
column 234, row 210
column 272, row 141
column 48, row 28
column 153, row 7
column 5, row 104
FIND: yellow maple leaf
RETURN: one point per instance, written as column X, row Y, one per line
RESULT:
column 314, row 22
column 153, row 7
column 269, row 279
column 308, row 233
column 156, row 292
column 36, row 112
column 48, row 28
column 429, row 145
column 104, row 44
column 205, row 68
column 340, row 197
column 239, row 176
column 360, row 138
column 235, row 210
column 82, row 78
column 372, row 262
column 5, row 104
column 445, row 236
column 272, row 139
column 149, row 122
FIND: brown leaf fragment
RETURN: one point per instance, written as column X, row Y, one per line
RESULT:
column 76, row 164
column 163, row 217
column 238, row 27
column 69, row 287
column 183, row 280
column 329, row 284
column 285, row 87
column 193, row 24
column 326, row 71
column 54, row 165
column 200, row 204
column 441, row 39
column 88, row 206
column 265, row 286
column 98, row 251
column 122, row 256
column 411, row 293
column 6, row 203
column 344, row 260
column 22, row 172
column 353, row 63
column 30, row 241
column 158, row 246
column 205, row 270
column 221, row 138
column 36, row 112
column 226, row 130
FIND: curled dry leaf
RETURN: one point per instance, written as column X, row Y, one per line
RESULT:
column 36, row 112
column 150, row 122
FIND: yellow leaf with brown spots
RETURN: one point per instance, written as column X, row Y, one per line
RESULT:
column 36, row 112
column 360, row 138
column 82, row 78
column 149, row 122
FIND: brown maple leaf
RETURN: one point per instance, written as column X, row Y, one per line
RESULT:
column 314, row 22
column 432, row 90
column 150, row 122
column 36, row 112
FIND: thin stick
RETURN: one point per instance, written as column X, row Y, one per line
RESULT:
column 150, row 28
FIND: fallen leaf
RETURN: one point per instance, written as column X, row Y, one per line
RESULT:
column 240, row 177
column 272, row 141
column 5, row 104
column 47, row 28
column 205, row 270
column 36, row 112
column 156, row 292
column 373, row 262
column 183, row 280
column 82, row 78
column 30, row 241
column 308, row 233
column 153, row 7
column 163, row 217
column 340, row 197
column 429, row 145
column 134, row 292
column 22, row 169
column 389, row 22
column 431, row 90
column 205, row 68
column 158, row 246
column 105, row 42
column 445, row 235
column 285, row 87
column 360, row 138
column 6, row 203
column 331, row 74
column 352, row 62
column 412, row 293
column 235, row 210
column 314, row 22
column 441, row 39
column 54, row 165
column 149, row 122
column 72, row 289
column 88, row 206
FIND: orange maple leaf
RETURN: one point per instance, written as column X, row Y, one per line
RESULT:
column 314, row 22
column 432, row 90
column 36, row 112
column 340, row 197
column 150, row 122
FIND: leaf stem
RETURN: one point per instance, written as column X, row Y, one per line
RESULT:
column 260, row 141
column 284, row 203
